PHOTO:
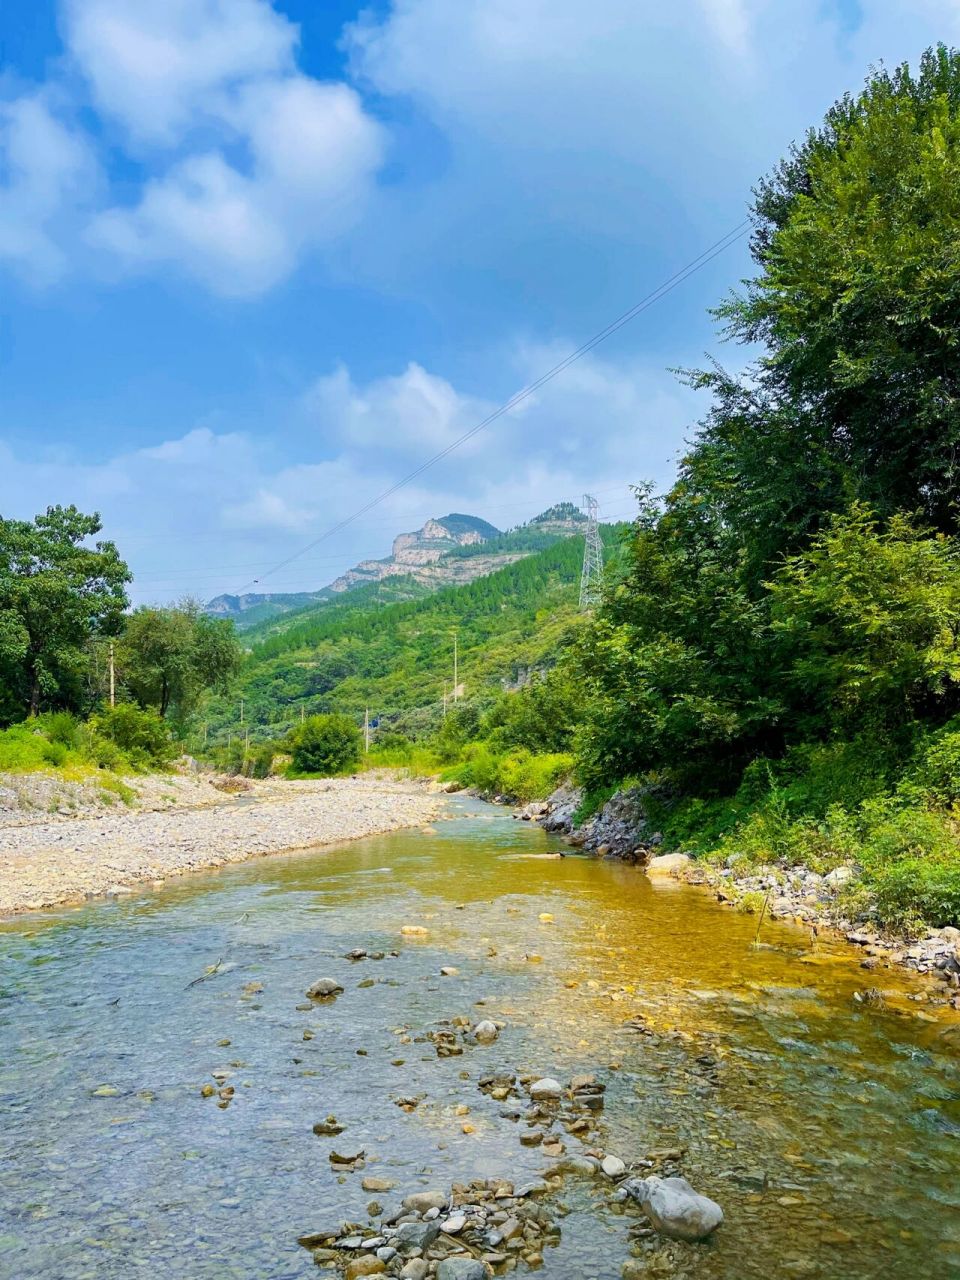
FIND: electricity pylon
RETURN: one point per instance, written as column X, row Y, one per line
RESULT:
column 592, row 575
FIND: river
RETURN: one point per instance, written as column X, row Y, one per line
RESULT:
column 827, row 1128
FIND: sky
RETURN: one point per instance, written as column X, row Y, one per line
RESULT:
column 259, row 261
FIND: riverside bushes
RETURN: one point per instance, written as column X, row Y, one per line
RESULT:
column 122, row 739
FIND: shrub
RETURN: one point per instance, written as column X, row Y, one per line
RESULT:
column 140, row 735
column 326, row 745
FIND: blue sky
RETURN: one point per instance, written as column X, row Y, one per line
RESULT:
column 258, row 260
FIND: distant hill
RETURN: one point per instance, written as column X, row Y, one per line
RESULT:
column 388, row 645
column 447, row 551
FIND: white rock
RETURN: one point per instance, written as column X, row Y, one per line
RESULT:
column 613, row 1167
column 546, row 1088
column 838, row 876
column 668, row 864
column 453, row 1226
column 675, row 1209
column 485, row 1032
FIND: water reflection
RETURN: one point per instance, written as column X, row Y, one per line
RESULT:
column 827, row 1129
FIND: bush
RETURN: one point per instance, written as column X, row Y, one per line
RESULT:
column 259, row 760
column 519, row 775
column 141, row 736
column 326, row 745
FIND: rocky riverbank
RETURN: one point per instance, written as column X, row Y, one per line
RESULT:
column 49, row 858
column 830, row 901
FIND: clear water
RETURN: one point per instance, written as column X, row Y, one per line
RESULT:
column 852, row 1111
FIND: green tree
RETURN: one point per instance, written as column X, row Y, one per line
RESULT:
column 868, row 620
column 326, row 745
column 857, row 303
column 170, row 655
column 57, row 592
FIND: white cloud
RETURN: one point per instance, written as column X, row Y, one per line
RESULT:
column 164, row 67
column 208, row 511
column 45, row 167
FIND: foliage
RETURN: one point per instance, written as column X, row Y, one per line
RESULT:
column 60, row 741
column 140, row 735
column 169, row 656
column 517, row 775
column 56, row 593
column 326, row 745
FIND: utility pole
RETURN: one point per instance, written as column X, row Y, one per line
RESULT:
column 302, row 713
column 366, row 731
column 592, row 574
column 444, row 699
column 241, row 711
column 456, row 686
column 113, row 678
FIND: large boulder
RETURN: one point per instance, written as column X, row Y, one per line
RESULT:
column 675, row 1209
column 668, row 864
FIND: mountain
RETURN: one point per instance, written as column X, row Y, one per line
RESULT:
column 447, row 551
column 360, row 651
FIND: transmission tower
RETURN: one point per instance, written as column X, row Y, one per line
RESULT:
column 592, row 575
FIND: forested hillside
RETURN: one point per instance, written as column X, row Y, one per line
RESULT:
column 395, row 658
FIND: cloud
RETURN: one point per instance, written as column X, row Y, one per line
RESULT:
column 47, row 170
column 207, row 511
column 162, row 70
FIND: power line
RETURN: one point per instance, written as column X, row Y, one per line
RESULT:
column 661, row 291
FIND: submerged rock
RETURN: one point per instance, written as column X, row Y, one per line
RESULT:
column 485, row 1032
column 675, row 1209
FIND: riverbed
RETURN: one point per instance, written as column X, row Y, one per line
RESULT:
column 823, row 1116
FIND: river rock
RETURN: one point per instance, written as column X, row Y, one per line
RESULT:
column 613, row 1166
column 417, row 1235
column 668, row 864
column 675, row 1209
column 368, row 1266
column 461, row 1269
column 454, row 1225
column 838, row 877
column 485, row 1032
column 323, row 989
column 416, row 1269
column 546, row 1089
column 421, row 1201
column 377, row 1184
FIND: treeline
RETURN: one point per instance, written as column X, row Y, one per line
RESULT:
column 779, row 660
column 86, row 678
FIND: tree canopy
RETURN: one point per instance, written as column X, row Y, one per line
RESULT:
column 57, row 592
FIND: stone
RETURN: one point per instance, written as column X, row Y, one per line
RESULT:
column 668, row 864
column 416, row 1235
column 675, row 1209
column 546, row 1089
column 449, row 971
column 485, row 1032
column 414, row 931
column 377, row 1184
column 838, row 876
column 324, row 989
column 416, row 1269
column 461, row 1269
column 368, row 1266
column 421, row 1201
column 634, row 1269
column 454, row 1225
column 613, row 1166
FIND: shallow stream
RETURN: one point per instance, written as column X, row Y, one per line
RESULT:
column 828, row 1129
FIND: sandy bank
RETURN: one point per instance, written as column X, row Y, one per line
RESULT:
column 44, row 862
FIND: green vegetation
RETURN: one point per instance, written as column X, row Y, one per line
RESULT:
column 168, row 657
column 325, row 746
column 118, row 740
column 780, row 656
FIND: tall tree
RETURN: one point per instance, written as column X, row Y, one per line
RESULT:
column 169, row 656
column 57, row 592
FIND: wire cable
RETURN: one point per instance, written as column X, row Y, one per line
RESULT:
column 651, row 298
